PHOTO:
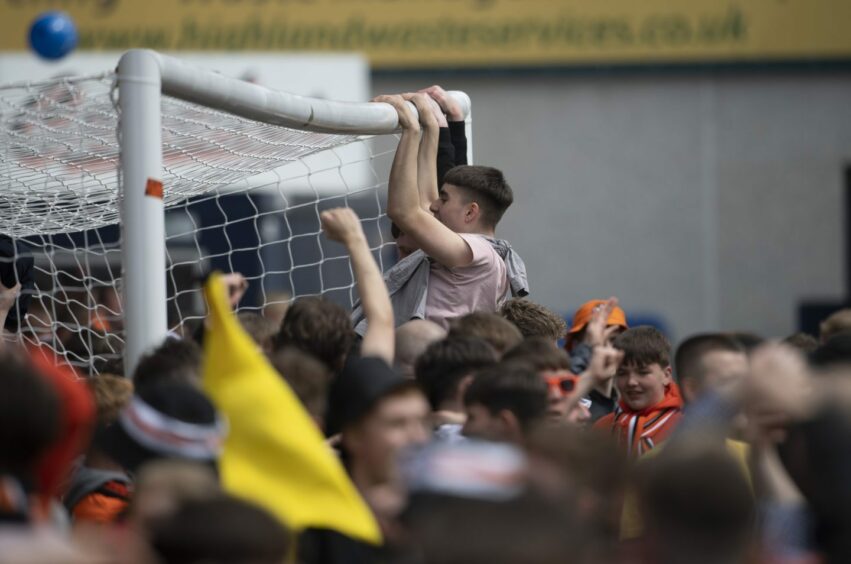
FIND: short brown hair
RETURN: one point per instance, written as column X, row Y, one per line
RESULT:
column 533, row 320
column 319, row 327
column 540, row 353
column 486, row 186
column 308, row 377
column 688, row 360
column 111, row 394
column 175, row 360
column 513, row 386
column 804, row 342
column 837, row 322
column 259, row 328
column 499, row 332
column 440, row 369
column 643, row 346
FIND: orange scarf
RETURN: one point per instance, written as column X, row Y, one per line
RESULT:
column 642, row 430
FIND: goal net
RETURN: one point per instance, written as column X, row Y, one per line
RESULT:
column 244, row 177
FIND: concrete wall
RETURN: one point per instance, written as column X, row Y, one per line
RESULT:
column 711, row 200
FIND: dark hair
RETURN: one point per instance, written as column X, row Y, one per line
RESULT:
column 515, row 387
column 748, row 340
column 500, row 333
column 698, row 523
column 834, row 352
column 486, row 186
column 838, row 322
column 539, row 352
column 220, row 530
column 445, row 363
column 261, row 330
column 307, row 376
column 319, row 327
column 804, row 342
column 688, row 360
column 176, row 360
column 533, row 320
column 643, row 346
column 29, row 415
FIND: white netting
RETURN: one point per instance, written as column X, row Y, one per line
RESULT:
column 240, row 196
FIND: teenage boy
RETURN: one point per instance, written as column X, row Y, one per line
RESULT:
column 459, row 266
column 505, row 403
column 650, row 404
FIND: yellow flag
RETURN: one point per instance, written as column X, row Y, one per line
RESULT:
column 274, row 454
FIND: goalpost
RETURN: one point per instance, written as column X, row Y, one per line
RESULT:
column 158, row 148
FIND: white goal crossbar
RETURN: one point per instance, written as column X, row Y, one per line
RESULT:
column 143, row 77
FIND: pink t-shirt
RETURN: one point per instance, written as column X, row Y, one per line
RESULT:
column 479, row 286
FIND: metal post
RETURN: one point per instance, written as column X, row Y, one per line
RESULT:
column 142, row 213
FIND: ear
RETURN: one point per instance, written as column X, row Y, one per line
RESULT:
column 473, row 212
column 690, row 389
column 668, row 372
column 462, row 388
column 352, row 439
column 511, row 428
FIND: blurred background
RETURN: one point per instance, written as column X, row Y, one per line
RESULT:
column 692, row 158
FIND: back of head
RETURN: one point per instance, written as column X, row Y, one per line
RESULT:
column 642, row 346
column 838, row 322
column 539, row 352
column 511, row 386
column 175, row 360
column 443, row 365
column 568, row 463
column 696, row 503
column 486, row 186
column 748, row 340
column 500, row 333
column 533, row 320
column 261, row 330
column 163, row 486
column 691, row 352
column 526, row 529
column 111, row 395
column 164, row 420
column 307, row 377
column 835, row 351
column 412, row 339
column 804, row 342
column 29, row 415
column 319, row 327
column 222, row 530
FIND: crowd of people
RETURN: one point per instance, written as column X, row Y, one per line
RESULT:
column 447, row 419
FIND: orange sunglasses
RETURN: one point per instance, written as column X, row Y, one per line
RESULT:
column 562, row 382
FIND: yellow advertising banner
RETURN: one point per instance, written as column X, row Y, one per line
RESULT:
column 402, row 34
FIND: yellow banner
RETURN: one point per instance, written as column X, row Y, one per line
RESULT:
column 462, row 33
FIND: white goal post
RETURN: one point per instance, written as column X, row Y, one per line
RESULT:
column 147, row 182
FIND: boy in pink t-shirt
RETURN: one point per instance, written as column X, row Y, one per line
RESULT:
column 453, row 225
column 479, row 286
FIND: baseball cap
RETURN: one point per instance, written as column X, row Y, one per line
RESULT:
column 584, row 313
column 363, row 381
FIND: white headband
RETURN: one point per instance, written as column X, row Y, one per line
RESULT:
column 171, row 436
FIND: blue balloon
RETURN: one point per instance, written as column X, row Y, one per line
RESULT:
column 53, row 35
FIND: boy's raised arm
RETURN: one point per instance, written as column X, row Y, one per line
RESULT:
column 403, row 198
column 342, row 225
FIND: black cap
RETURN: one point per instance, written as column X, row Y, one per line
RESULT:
column 363, row 381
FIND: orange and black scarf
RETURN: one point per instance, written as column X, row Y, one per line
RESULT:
column 640, row 431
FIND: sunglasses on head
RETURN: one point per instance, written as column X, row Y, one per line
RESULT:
column 562, row 382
